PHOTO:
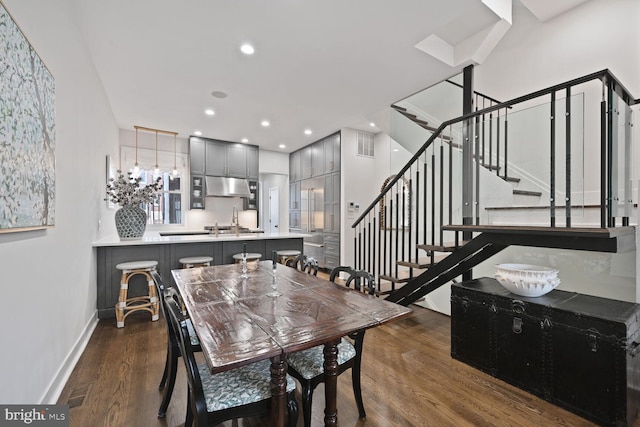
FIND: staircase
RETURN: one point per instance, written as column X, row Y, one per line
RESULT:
column 430, row 224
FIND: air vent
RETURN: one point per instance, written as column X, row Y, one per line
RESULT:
column 365, row 144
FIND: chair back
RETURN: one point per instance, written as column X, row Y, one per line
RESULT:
column 178, row 323
column 304, row 263
column 160, row 290
column 361, row 280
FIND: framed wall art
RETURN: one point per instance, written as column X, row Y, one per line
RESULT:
column 27, row 133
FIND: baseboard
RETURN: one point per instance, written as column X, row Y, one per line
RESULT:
column 56, row 386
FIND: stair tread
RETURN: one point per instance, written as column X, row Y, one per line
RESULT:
column 404, row 278
column 490, row 167
column 445, row 247
column 510, row 179
column 423, row 262
column 399, row 108
column 559, row 231
column 526, row 192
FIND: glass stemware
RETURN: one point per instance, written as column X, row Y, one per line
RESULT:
column 244, row 274
column 274, row 283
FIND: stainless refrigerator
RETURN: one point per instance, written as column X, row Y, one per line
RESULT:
column 312, row 217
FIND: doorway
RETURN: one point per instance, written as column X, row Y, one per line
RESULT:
column 274, row 203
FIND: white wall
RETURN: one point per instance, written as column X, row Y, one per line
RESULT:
column 592, row 37
column 361, row 179
column 49, row 277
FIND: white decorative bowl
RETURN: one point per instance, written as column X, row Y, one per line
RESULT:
column 527, row 280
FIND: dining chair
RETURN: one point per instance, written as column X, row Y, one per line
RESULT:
column 307, row 365
column 304, row 263
column 215, row 398
column 168, row 380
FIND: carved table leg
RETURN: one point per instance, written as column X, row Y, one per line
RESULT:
column 278, row 391
column 330, row 382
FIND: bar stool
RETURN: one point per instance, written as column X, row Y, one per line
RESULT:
column 196, row 261
column 286, row 254
column 149, row 302
column 251, row 256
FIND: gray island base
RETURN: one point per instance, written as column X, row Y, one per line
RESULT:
column 167, row 251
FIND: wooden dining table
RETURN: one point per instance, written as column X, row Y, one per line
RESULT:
column 238, row 322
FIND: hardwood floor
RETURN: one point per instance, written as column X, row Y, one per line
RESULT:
column 408, row 379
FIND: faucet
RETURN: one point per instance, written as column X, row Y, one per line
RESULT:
column 234, row 216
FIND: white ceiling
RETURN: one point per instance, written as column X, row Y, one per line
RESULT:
column 319, row 65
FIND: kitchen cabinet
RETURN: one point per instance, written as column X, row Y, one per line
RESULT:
column 196, row 156
column 215, row 158
column 294, row 205
column 295, row 173
column 220, row 158
column 251, row 202
column 317, row 158
column 305, row 162
column 253, row 156
column 197, row 192
column 331, row 146
column 332, row 203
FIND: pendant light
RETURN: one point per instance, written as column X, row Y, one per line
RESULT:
column 157, row 169
column 175, row 155
column 136, row 167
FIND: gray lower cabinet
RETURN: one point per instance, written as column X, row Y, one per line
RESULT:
column 168, row 256
column 331, row 250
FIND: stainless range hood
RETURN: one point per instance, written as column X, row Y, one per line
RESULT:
column 226, row 187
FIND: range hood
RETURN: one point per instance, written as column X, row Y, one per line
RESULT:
column 226, row 187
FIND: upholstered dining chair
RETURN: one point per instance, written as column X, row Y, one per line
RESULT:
column 168, row 380
column 240, row 392
column 307, row 365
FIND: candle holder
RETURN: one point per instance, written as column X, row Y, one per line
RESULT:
column 274, row 282
column 244, row 274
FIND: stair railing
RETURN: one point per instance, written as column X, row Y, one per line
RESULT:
column 424, row 195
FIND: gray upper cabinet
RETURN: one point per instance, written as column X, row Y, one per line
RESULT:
column 294, row 166
column 236, row 160
column 253, row 156
column 306, row 165
column 221, row 158
column 196, row 156
column 332, row 203
column 332, row 153
column 317, row 158
column 216, row 158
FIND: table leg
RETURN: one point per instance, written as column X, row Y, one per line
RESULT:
column 278, row 391
column 330, row 382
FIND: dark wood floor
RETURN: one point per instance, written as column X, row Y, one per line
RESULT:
column 408, row 379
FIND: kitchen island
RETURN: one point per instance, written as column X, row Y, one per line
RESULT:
column 167, row 250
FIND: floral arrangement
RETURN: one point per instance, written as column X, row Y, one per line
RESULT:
column 126, row 190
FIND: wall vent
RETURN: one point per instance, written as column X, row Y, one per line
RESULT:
column 365, row 144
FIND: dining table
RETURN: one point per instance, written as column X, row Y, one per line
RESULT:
column 246, row 313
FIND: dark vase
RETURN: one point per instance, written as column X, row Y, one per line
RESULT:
column 131, row 221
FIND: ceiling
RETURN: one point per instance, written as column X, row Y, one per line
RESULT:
column 320, row 65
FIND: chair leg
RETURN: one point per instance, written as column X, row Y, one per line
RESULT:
column 163, row 381
column 357, row 390
column 188, row 422
column 292, row 410
column 307, row 400
column 170, row 382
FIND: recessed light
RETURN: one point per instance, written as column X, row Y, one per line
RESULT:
column 247, row 49
column 307, row 132
column 209, row 112
column 265, row 123
column 218, row 94
column 244, row 140
column 395, row 149
column 372, row 124
column 282, row 146
column 197, row 133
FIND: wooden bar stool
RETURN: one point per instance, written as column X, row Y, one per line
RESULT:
column 251, row 256
column 286, row 254
column 149, row 302
column 196, row 261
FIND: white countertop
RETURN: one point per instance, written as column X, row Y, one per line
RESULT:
column 154, row 238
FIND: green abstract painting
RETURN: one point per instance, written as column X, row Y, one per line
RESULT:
column 27, row 133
